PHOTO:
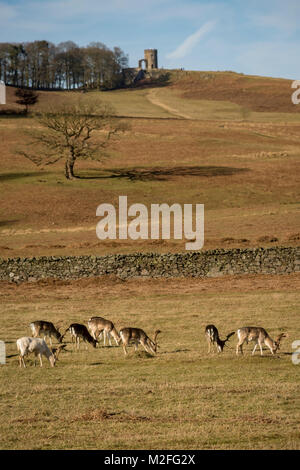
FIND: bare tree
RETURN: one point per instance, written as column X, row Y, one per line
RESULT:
column 81, row 130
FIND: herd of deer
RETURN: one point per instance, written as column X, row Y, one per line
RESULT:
column 98, row 326
column 245, row 335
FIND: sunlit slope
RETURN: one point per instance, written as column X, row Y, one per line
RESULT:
column 192, row 95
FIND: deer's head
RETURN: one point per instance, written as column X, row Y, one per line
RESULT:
column 277, row 341
column 55, row 354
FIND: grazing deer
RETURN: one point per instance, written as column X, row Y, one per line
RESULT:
column 38, row 346
column 260, row 336
column 99, row 325
column 138, row 336
column 78, row 331
column 212, row 336
column 47, row 329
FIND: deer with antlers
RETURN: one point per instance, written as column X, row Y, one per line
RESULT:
column 260, row 336
column 212, row 336
column 138, row 336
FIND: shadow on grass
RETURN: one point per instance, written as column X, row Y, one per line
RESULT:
column 13, row 176
column 4, row 223
column 7, row 112
column 163, row 173
column 175, row 351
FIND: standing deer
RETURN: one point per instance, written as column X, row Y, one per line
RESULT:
column 38, row 346
column 47, row 329
column 260, row 336
column 138, row 336
column 99, row 325
column 212, row 336
column 78, row 331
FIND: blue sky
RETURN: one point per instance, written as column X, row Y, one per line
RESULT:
column 259, row 37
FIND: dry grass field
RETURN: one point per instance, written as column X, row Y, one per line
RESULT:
column 181, row 399
column 242, row 164
column 225, row 140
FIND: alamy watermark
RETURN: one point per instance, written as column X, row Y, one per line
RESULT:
column 296, row 94
column 2, row 353
column 296, row 354
column 153, row 224
column 2, row 93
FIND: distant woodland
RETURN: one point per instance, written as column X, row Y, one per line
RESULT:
column 43, row 65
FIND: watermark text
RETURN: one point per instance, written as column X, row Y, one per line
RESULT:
column 188, row 222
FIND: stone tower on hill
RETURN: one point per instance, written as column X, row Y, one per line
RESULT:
column 150, row 59
column 147, row 68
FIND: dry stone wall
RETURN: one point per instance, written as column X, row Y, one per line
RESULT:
column 213, row 263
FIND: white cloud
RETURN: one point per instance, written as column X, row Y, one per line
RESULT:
column 191, row 41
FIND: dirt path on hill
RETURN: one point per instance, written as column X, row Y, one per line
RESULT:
column 153, row 98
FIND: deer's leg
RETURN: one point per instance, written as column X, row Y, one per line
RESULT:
column 254, row 349
column 115, row 338
column 41, row 362
column 35, row 354
column 239, row 348
column 124, row 349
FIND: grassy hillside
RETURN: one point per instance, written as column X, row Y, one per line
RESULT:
column 260, row 94
column 243, row 164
